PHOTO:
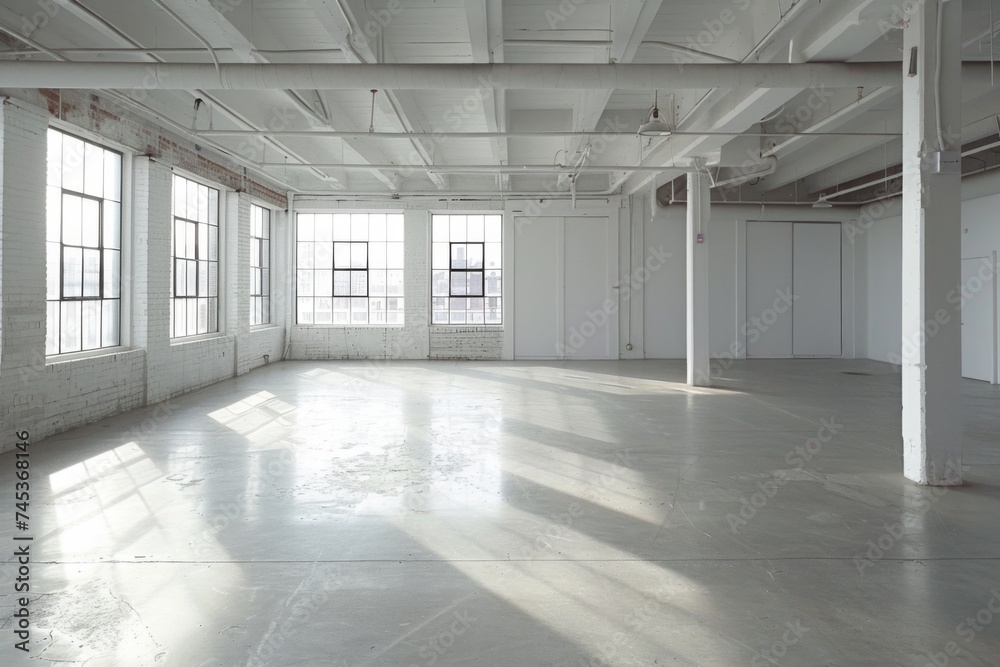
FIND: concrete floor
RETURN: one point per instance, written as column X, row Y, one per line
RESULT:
column 437, row 513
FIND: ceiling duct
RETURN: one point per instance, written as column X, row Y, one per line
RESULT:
column 296, row 76
column 722, row 177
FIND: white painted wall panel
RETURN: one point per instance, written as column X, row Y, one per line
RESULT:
column 664, row 307
column 537, row 278
column 590, row 308
column 980, row 237
column 979, row 318
column 816, row 312
column 769, row 274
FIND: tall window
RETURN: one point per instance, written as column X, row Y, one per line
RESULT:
column 466, row 255
column 83, row 245
column 350, row 268
column 195, row 279
column 260, row 265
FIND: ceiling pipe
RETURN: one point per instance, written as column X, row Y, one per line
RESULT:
column 331, row 134
column 283, row 76
column 751, row 202
column 723, row 177
column 687, row 52
column 587, row 195
column 480, row 168
column 168, row 51
column 194, row 33
column 878, row 181
column 737, row 175
column 868, row 184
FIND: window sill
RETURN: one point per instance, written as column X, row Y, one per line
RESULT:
column 200, row 338
column 352, row 326
column 54, row 359
column 492, row 327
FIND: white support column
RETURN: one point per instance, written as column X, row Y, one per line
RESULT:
column 238, row 276
column 23, row 151
column 932, row 331
column 698, row 213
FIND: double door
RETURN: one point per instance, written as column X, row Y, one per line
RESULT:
column 793, row 290
column 565, row 288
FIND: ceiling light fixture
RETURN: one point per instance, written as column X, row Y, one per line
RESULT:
column 822, row 203
column 654, row 125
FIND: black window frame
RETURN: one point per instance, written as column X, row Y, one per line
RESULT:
column 214, row 301
column 101, row 248
column 260, row 267
column 481, row 270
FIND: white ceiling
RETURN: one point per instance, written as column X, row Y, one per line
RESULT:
column 511, row 31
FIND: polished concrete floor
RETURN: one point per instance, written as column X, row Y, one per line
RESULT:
column 437, row 513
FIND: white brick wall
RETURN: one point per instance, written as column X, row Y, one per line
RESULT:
column 85, row 390
column 416, row 339
column 22, row 275
column 47, row 396
column 480, row 343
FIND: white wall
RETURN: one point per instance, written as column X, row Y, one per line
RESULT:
column 883, row 235
column 662, row 296
column 416, row 339
column 47, row 395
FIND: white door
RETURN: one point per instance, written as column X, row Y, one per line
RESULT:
column 769, row 274
column 979, row 321
column 816, row 321
column 537, row 289
column 565, row 301
column 590, row 307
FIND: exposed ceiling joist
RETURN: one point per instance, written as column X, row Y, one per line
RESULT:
column 485, row 21
column 185, row 76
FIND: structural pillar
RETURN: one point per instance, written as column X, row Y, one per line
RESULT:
column 23, row 155
column 932, row 267
column 698, row 212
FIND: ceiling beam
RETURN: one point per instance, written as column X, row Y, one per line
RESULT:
column 326, row 76
column 406, row 109
column 812, row 31
column 631, row 19
column 212, row 25
column 219, row 29
column 121, row 39
column 342, row 20
column 485, row 21
column 815, row 161
column 823, row 120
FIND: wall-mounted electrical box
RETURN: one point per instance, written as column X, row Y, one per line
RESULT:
column 946, row 162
